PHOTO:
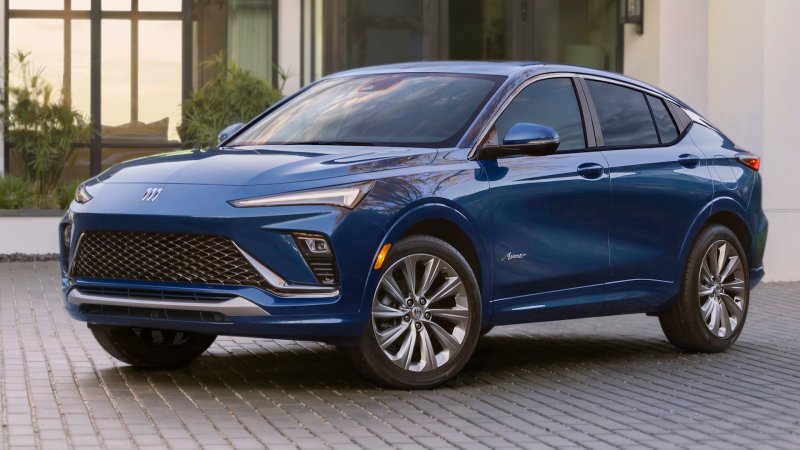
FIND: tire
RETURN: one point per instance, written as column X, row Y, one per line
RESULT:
column 151, row 349
column 448, row 302
column 711, row 308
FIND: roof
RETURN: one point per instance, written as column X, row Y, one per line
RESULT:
column 518, row 70
column 476, row 67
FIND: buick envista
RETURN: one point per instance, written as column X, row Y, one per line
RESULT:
column 400, row 212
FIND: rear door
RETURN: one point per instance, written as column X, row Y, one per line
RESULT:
column 660, row 182
column 549, row 212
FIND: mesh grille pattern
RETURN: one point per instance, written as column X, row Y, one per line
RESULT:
column 171, row 257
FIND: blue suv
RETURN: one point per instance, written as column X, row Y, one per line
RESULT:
column 400, row 212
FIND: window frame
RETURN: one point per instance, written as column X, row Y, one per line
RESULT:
column 586, row 118
column 682, row 128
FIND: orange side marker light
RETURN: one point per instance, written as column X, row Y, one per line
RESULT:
column 382, row 256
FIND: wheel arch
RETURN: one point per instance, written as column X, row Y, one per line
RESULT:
column 450, row 224
column 722, row 211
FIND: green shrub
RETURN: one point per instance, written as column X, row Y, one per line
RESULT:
column 41, row 131
column 234, row 95
column 66, row 193
column 15, row 193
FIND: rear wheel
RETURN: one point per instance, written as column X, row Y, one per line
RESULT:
column 711, row 310
column 425, row 316
column 149, row 348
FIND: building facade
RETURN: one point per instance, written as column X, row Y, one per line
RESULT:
column 128, row 64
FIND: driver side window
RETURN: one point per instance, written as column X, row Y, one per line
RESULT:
column 551, row 102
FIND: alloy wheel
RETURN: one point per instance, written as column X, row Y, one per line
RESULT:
column 722, row 289
column 420, row 313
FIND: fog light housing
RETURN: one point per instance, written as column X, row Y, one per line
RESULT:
column 318, row 254
column 314, row 245
column 67, row 236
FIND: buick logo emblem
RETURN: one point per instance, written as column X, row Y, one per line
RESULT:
column 151, row 194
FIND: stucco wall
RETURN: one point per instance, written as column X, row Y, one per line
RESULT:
column 732, row 60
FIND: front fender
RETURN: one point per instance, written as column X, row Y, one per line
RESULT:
column 439, row 209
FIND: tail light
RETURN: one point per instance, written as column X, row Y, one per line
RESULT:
column 749, row 160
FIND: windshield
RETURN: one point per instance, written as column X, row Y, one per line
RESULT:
column 408, row 109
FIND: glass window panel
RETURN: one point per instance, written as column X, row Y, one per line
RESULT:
column 77, row 166
column 210, row 38
column 427, row 110
column 115, row 74
column 160, row 75
column 250, row 36
column 391, row 8
column 389, row 45
column 81, row 5
column 624, row 117
column 36, row 4
column 43, row 54
column 159, row 5
column 666, row 126
column 548, row 102
column 115, row 5
column 80, row 91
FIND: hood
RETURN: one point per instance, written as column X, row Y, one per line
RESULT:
column 264, row 165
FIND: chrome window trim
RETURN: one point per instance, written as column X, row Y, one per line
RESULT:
column 621, row 83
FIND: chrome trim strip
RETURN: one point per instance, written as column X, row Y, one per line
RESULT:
column 282, row 287
column 73, row 252
column 237, row 306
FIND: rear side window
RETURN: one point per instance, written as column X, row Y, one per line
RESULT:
column 551, row 102
column 624, row 117
column 667, row 131
column 680, row 116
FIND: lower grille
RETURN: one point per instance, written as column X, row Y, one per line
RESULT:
column 153, row 313
column 164, row 257
column 325, row 270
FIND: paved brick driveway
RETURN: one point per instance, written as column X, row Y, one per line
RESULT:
column 596, row 383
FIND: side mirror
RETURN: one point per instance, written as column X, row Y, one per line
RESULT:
column 229, row 131
column 523, row 139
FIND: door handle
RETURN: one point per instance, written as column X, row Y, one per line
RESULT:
column 591, row 171
column 688, row 160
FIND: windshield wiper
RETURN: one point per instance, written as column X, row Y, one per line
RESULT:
column 354, row 143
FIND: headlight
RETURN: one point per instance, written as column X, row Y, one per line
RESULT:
column 345, row 196
column 81, row 194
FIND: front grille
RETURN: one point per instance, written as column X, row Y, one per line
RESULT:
column 167, row 257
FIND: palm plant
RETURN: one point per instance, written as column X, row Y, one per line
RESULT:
column 42, row 131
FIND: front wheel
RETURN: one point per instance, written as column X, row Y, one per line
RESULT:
column 710, row 312
column 149, row 348
column 425, row 317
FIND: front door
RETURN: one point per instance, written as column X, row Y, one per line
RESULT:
column 549, row 214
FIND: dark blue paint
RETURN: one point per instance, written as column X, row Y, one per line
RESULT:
column 604, row 231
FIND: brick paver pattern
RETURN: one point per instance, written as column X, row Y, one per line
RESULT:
column 595, row 383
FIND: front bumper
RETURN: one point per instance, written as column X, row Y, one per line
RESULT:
column 236, row 316
column 263, row 234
